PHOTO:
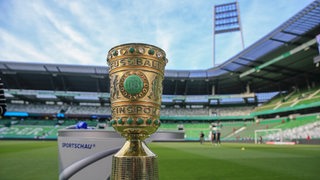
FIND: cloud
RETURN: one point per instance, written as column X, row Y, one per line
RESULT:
column 10, row 44
column 81, row 32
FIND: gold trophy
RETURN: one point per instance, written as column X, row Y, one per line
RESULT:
column 136, row 72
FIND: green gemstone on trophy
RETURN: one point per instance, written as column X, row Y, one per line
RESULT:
column 131, row 50
column 156, row 122
column 151, row 52
column 140, row 121
column 149, row 121
column 129, row 121
column 120, row 121
column 112, row 122
column 133, row 84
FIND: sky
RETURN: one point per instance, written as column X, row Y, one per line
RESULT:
column 82, row 32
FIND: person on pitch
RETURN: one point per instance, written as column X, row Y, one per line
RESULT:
column 201, row 137
column 218, row 134
column 213, row 134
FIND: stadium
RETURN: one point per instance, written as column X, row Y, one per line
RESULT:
column 266, row 94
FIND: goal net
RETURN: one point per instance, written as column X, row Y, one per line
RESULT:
column 267, row 134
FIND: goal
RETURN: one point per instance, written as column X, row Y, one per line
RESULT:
column 264, row 132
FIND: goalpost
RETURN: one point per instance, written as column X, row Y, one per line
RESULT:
column 263, row 132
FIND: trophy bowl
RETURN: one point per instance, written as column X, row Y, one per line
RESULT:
column 136, row 72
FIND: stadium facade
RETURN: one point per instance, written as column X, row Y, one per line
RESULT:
column 282, row 63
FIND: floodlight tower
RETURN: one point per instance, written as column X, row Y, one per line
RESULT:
column 226, row 18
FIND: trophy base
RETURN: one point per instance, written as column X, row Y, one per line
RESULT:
column 134, row 161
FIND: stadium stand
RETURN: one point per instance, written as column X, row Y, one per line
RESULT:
column 300, row 128
column 35, row 108
column 273, row 83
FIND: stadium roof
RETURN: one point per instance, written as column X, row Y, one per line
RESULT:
column 278, row 61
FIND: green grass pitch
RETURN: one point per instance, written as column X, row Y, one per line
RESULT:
column 39, row 160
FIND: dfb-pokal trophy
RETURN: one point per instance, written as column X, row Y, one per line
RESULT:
column 136, row 72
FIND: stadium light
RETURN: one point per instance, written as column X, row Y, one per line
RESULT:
column 226, row 18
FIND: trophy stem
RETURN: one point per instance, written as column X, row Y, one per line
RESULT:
column 134, row 161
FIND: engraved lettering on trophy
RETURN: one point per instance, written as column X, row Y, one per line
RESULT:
column 147, row 63
column 122, row 110
column 137, row 62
